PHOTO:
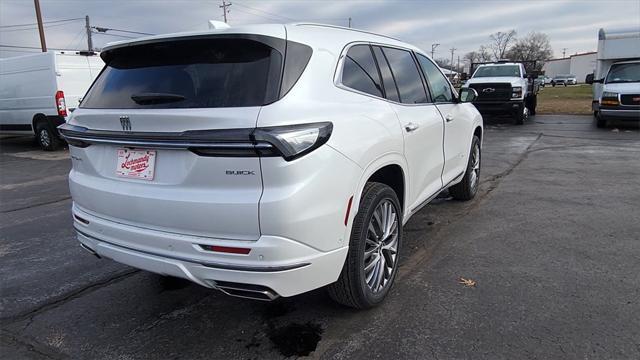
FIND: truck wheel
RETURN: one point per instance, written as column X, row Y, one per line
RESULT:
column 600, row 121
column 468, row 187
column 533, row 102
column 372, row 261
column 47, row 138
column 521, row 115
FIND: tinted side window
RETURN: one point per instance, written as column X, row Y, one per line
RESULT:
column 440, row 89
column 388, row 82
column 406, row 75
column 360, row 71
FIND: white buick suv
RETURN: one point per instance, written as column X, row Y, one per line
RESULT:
column 267, row 160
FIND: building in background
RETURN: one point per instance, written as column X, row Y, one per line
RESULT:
column 579, row 65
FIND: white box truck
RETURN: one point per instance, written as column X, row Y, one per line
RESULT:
column 37, row 92
column 616, row 80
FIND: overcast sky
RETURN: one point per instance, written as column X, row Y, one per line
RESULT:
column 453, row 24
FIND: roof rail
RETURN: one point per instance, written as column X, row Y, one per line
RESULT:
column 344, row 28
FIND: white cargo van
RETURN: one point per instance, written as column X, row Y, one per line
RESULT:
column 616, row 96
column 38, row 91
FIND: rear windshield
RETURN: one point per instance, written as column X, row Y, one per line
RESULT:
column 498, row 71
column 198, row 73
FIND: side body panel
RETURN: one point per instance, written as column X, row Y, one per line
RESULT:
column 27, row 87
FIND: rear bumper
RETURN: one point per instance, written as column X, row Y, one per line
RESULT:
column 285, row 266
column 499, row 107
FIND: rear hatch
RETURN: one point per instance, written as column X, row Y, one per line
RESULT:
column 161, row 140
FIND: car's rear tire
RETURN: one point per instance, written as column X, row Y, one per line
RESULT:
column 47, row 138
column 372, row 261
column 468, row 187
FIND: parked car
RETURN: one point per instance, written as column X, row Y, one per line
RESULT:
column 267, row 160
column 38, row 91
column 620, row 97
column 504, row 88
column 564, row 80
column 547, row 80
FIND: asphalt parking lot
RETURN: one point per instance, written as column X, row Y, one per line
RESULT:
column 552, row 243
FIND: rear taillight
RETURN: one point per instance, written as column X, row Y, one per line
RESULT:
column 61, row 104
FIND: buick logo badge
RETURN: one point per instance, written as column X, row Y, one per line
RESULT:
column 488, row 90
column 125, row 123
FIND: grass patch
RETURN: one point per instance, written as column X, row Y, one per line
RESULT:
column 565, row 100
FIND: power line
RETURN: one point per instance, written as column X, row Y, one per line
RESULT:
column 116, row 35
column 262, row 16
column 30, row 47
column 105, row 29
column 44, row 22
column 265, row 12
column 35, row 27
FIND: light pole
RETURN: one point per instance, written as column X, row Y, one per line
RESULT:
column 433, row 49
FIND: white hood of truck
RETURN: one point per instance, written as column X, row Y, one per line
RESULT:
column 623, row 88
column 514, row 81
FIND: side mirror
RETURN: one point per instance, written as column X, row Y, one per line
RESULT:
column 468, row 95
column 589, row 78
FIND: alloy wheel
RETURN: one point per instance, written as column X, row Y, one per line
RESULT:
column 475, row 167
column 381, row 246
column 45, row 140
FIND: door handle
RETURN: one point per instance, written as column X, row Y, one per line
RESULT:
column 411, row 127
column 449, row 118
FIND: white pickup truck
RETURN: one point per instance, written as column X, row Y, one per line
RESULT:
column 504, row 88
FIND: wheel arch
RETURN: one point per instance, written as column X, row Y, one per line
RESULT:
column 391, row 170
column 37, row 118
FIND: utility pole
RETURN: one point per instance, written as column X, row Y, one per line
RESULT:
column 458, row 66
column 224, row 7
column 452, row 50
column 564, row 51
column 89, row 40
column 349, row 21
column 43, row 43
column 433, row 49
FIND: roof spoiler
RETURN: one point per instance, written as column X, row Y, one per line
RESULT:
column 213, row 24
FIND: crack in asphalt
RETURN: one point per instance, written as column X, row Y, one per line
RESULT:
column 52, row 304
column 36, row 205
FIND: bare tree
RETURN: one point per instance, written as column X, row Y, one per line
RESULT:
column 535, row 46
column 443, row 62
column 500, row 43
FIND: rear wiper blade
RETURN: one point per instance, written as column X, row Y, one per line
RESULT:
column 156, row 98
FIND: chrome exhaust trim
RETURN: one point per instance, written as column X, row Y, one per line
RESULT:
column 90, row 250
column 246, row 291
